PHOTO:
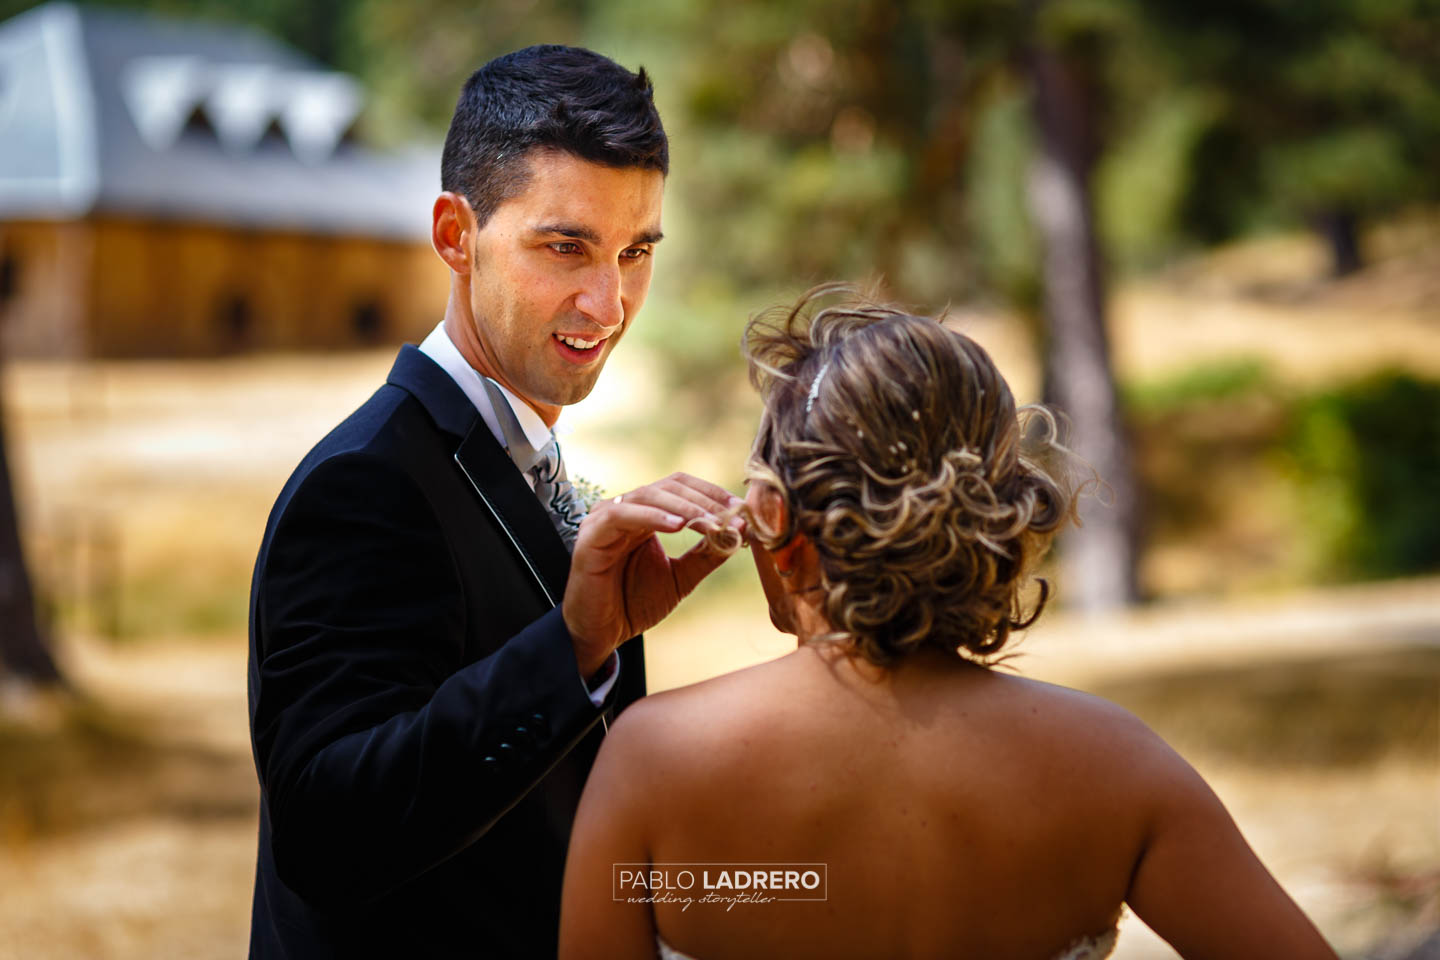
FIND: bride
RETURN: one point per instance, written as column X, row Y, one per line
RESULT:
column 895, row 511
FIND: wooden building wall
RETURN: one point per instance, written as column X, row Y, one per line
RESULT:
column 128, row 288
column 44, row 305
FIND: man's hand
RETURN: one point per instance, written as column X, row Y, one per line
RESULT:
column 621, row 580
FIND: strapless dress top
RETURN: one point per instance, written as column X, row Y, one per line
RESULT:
column 1094, row 947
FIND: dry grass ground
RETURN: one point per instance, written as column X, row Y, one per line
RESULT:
column 127, row 811
column 127, row 820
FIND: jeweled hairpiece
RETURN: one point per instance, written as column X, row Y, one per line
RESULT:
column 815, row 387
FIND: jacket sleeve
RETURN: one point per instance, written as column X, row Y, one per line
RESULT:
column 380, row 751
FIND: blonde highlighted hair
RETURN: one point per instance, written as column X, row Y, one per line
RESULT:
column 900, row 454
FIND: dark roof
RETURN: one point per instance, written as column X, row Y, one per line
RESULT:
column 121, row 113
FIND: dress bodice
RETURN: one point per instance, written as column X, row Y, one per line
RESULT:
column 1096, row 946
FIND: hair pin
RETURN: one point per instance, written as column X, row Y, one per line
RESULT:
column 815, row 387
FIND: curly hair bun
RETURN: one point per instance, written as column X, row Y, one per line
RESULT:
column 902, row 457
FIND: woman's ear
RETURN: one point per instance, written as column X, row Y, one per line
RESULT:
column 766, row 506
column 788, row 556
column 799, row 563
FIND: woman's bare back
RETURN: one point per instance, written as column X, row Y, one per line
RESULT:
column 955, row 808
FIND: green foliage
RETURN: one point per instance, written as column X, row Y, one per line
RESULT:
column 1140, row 182
column 1323, row 107
column 1366, row 457
column 415, row 56
column 1337, row 484
column 1358, row 169
column 1206, row 384
column 1003, row 239
column 838, row 198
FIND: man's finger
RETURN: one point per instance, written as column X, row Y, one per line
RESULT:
column 695, row 565
column 682, row 488
column 721, row 498
column 711, row 497
column 630, row 517
column 675, row 499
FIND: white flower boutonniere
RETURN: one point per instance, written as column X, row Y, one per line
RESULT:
column 589, row 492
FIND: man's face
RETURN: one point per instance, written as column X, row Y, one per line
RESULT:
column 559, row 272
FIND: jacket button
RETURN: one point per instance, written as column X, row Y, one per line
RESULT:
column 540, row 725
column 521, row 734
column 491, row 766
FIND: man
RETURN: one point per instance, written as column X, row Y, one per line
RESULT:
column 429, row 666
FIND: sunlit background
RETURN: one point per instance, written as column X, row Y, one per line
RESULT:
column 1209, row 233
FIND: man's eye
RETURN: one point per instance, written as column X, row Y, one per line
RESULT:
column 636, row 253
column 565, row 246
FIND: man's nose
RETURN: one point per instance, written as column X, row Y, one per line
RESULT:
column 601, row 299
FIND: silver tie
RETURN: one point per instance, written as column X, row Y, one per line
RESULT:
column 545, row 466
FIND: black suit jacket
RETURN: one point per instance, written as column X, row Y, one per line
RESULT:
column 420, row 729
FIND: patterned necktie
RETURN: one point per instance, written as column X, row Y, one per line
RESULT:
column 545, row 466
column 558, row 495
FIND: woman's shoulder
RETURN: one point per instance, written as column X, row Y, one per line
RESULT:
column 785, row 706
column 1075, row 718
column 755, row 698
column 709, row 721
column 708, row 707
column 1082, row 731
column 1069, row 707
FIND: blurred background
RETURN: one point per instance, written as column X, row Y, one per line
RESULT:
column 1209, row 233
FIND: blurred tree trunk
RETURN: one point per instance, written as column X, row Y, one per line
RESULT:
column 1100, row 557
column 1341, row 230
column 23, row 652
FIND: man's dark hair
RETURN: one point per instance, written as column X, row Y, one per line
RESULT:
column 547, row 97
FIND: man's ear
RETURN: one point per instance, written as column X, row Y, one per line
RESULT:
column 452, row 225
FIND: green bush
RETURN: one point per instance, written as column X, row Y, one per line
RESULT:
column 1366, row 458
column 1198, row 386
column 1277, row 485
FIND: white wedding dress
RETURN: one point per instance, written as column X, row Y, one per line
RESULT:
column 1095, row 947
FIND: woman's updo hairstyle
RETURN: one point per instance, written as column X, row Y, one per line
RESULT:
column 897, row 448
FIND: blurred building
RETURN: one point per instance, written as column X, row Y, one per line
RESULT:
column 181, row 188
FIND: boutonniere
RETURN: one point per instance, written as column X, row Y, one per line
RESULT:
column 589, row 492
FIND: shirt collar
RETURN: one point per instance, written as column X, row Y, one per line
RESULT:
column 439, row 347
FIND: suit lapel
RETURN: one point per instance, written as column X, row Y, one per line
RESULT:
column 489, row 471
column 441, row 397
column 510, row 500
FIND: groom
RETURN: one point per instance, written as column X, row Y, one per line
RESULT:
column 430, row 667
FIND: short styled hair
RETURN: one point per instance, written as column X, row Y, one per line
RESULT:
column 900, row 454
column 547, row 97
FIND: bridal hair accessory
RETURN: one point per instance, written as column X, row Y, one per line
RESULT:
column 815, row 387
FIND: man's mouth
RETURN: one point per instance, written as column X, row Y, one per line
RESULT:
column 577, row 343
column 578, row 350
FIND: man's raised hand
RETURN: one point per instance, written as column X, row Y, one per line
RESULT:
column 621, row 580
